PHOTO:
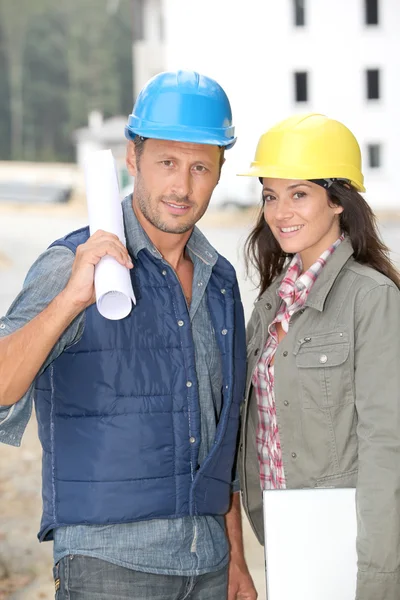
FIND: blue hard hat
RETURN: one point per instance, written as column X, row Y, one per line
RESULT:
column 183, row 106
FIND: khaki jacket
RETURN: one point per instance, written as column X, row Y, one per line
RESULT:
column 337, row 391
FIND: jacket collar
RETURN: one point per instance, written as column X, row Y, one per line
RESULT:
column 327, row 277
column 322, row 286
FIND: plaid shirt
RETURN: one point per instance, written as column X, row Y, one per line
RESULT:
column 293, row 292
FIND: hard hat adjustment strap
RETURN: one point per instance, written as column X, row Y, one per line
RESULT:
column 326, row 183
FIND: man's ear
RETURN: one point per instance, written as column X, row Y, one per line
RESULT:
column 131, row 158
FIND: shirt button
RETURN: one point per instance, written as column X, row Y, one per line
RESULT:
column 181, row 323
column 268, row 306
column 2, row 326
column 285, row 353
column 224, row 331
column 294, row 455
column 192, row 440
column 323, row 359
column 200, row 284
column 286, row 403
column 164, row 272
column 188, row 384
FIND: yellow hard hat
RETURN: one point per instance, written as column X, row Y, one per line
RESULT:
column 308, row 147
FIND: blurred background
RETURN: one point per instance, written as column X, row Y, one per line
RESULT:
column 69, row 74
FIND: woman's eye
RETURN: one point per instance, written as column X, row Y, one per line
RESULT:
column 268, row 198
column 299, row 195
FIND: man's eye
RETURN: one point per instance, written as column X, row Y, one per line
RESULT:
column 200, row 168
column 167, row 163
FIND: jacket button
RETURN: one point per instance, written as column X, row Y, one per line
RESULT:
column 286, row 403
column 294, row 455
column 181, row 323
column 268, row 306
column 256, row 351
column 285, row 353
column 192, row 440
column 188, row 384
column 224, row 331
column 164, row 272
column 223, row 291
column 323, row 359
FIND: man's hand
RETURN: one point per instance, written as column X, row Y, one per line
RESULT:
column 240, row 583
column 80, row 287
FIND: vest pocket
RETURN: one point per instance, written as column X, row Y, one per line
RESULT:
column 324, row 371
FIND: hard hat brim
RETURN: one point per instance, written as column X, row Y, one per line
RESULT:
column 183, row 134
column 305, row 174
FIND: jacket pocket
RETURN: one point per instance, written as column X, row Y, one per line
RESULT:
column 323, row 363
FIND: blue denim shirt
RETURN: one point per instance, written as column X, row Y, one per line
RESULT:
column 187, row 546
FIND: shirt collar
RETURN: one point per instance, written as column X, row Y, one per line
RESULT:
column 137, row 239
column 307, row 279
column 303, row 282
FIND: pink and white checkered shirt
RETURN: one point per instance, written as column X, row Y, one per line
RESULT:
column 293, row 291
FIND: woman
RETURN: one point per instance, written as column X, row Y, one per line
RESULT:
column 323, row 389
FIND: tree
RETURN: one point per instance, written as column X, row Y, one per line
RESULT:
column 4, row 103
column 45, row 90
column 58, row 62
column 15, row 16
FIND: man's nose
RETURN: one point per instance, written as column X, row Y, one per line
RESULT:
column 182, row 185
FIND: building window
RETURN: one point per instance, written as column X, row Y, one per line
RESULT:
column 301, row 87
column 373, row 91
column 374, row 156
column 371, row 12
column 299, row 13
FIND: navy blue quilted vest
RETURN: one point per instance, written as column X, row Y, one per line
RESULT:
column 118, row 412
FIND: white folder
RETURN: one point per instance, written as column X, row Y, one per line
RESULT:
column 310, row 544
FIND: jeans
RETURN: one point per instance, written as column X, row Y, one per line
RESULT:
column 80, row 577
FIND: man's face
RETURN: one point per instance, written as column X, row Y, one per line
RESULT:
column 173, row 182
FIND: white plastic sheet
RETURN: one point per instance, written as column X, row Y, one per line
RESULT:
column 114, row 292
column 310, row 544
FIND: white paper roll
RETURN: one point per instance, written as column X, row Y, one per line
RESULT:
column 114, row 292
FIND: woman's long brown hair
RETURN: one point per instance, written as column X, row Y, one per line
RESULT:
column 357, row 221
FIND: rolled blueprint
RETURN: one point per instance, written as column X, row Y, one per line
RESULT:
column 113, row 286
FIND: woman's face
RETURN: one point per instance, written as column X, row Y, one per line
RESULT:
column 300, row 217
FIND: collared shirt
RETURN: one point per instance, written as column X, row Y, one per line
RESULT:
column 293, row 292
column 184, row 546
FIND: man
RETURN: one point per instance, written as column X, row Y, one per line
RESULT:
column 138, row 418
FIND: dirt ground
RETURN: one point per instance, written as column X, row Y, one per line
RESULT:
column 25, row 565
